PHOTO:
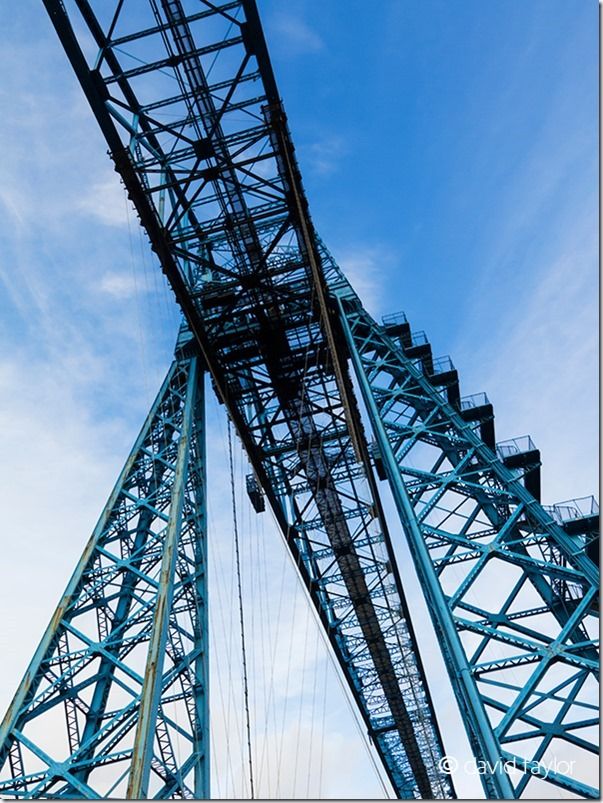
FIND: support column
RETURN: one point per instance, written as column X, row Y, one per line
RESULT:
column 153, row 679
column 125, row 655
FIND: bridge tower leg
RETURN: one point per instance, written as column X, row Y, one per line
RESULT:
column 115, row 700
column 513, row 597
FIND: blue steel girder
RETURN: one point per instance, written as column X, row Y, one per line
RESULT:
column 185, row 96
column 186, row 99
column 124, row 658
column 513, row 596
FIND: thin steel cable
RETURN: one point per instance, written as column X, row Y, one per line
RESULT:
column 336, row 670
column 241, row 616
column 310, row 774
column 301, row 705
column 217, row 569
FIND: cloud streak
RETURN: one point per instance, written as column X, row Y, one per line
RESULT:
column 293, row 36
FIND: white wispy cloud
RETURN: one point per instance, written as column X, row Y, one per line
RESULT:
column 119, row 285
column 105, row 202
column 292, row 34
column 73, row 387
column 542, row 376
column 366, row 267
column 322, row 156
column 531, row 341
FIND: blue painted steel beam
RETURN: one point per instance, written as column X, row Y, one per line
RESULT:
column 481, row 736
column 150, row 698
column 239, row 249
column 460, row 493
column 260, row 296
column 145, row 560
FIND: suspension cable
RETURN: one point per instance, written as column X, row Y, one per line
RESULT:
column 241, row 618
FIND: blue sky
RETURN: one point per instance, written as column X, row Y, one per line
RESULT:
column 449, row 151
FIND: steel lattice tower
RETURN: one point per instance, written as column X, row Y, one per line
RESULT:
column 208, row 161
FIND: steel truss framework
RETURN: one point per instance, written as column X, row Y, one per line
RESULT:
column 121, row 671
column 186, row 98
column 513, row 597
